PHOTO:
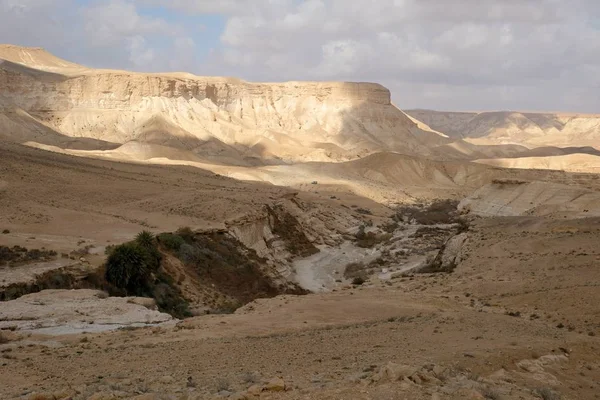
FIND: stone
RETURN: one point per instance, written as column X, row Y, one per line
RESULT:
column 147, row 396
column 42, row 396
column 255, row 390
column 439, row 371
column 167, row 379
column 66, row 394
column 396, row 372
column 275, row 385
column 103, row 396
column 239, row 396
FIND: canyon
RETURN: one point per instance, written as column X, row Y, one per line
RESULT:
column 314, row 241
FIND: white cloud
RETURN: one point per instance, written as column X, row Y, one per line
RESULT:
column 464, row 54
column 109, row 23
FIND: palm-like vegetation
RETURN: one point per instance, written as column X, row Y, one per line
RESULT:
column 147, row 240
column 128, row 267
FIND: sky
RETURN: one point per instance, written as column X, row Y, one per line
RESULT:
column 462, row 55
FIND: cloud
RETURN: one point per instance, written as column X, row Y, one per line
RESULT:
column 109, row 23
column 107, row 33
column 455, row 54
column 515, row 52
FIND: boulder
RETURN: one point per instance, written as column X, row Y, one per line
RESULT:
column 275, row 385
column 395, row 372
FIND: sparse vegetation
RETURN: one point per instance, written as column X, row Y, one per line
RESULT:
column 128, row 267
column 364, row 211
column 4, row 338
column 223, row 385
column 134, row 269
column 490, row 393
column 370, row 239
column 508, row 182
column 359, row 280
column 438, row 212
column 147, row 241
column 18, row 255
column 221, row 261
column 548, row 394
column 287, row 227
column 171, row 241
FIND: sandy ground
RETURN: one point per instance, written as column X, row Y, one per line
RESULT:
column 327, row 346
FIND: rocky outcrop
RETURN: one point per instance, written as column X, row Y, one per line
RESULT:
column 58, row 312
column 514, row 198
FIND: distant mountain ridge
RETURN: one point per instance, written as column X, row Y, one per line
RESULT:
column 511, row 127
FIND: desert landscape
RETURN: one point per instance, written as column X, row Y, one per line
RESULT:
column 172, row 236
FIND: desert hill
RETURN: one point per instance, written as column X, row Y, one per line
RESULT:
column 219, row 122
column 276, row 122
column 520, row 128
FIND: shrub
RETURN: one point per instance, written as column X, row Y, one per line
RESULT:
column 490, row 393
column 128, row 267
column 171, row 241
column 147, row 241
column 548, row 394
column 4, row 338
column 189, row 254
column 169, row 299
column 6, row 231
column 371, row 239
column 438, row 212
column 359, row 280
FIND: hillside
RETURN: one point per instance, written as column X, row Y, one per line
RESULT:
column 517, row 128
column 50, row 101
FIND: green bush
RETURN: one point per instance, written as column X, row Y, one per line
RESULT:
column 359, row 280
column 147, row 241
column 129, row 267
column 171, row 241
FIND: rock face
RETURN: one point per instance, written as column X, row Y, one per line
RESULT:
column 57, row 312
column 44, row 99
column 514, row 198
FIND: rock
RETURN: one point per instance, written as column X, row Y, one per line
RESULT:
column 274, row 385
column 449, row 256
column 65, row 394
column 395, row 372
column 255, row 390
column 147, row 302
column 167, row 379
column 468, row 394
column 439, row 371
column 42, row 396
column 147, row 396
column 103, row 396
column 358, row 377
column 239, row 396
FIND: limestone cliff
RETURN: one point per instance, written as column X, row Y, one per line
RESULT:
column 42, row 96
